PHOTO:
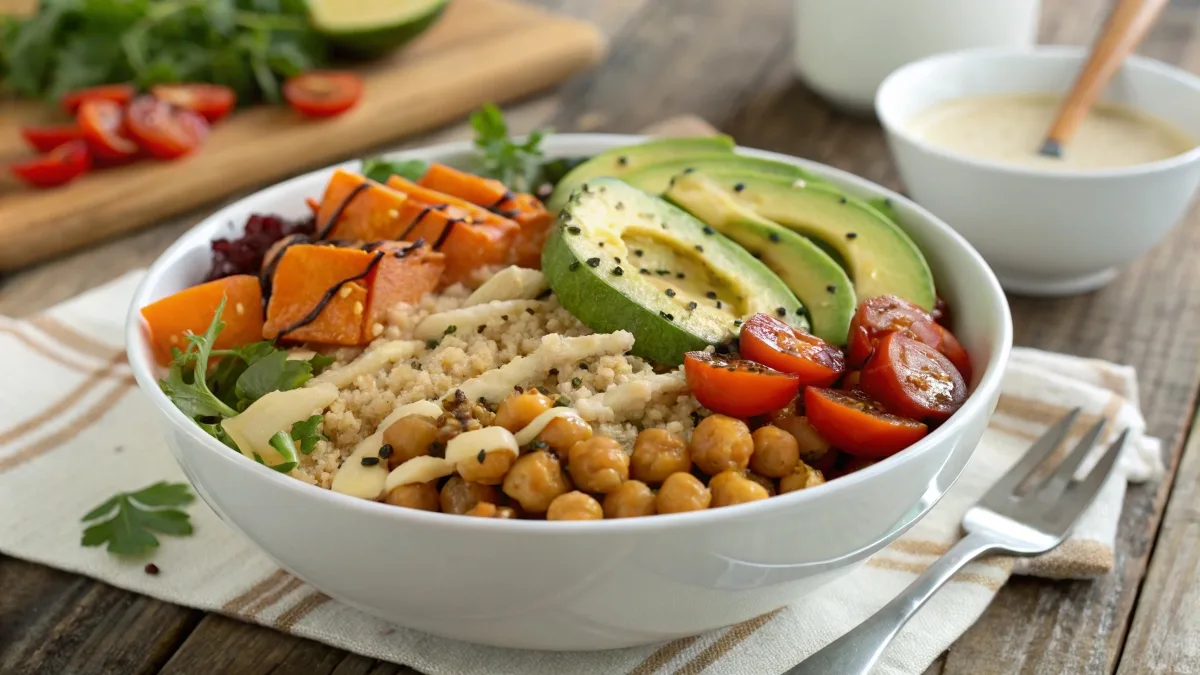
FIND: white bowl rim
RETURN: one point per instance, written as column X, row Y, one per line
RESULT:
column 887, row 117
column 144, row 372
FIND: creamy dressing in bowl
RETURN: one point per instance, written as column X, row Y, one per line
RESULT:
column 1010, row 128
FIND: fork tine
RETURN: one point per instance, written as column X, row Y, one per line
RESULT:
column 1080, row 495
column 1041, row 449
column 1054, row 486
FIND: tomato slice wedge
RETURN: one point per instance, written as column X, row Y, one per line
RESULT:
column 323, row 93
column 116, row 93
column 45, row 139
column 884, row 314
column 858, row 426
column 101, row 122
column 775, row 344
column 211, row 101
column 954, row 351
column 62, row 165
column 164, row 130
column 912, row 379
column 735, row 387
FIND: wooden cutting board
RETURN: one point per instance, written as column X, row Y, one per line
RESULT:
column 481, row 50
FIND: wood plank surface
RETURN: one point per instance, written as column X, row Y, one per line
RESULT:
column 730, row 63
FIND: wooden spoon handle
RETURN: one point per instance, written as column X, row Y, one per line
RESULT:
column 1127, row 25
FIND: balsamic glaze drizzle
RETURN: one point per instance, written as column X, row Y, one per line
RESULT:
column 421, row 216
column 437, row 245
column 337, row 213
column 324, row 301
column 506, row 197
column 417, row 243
column 266, row 278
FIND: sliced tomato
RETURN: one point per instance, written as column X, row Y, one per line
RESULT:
column 774, row 343
column 323, row 93
column 45, row 139
column 164, row 130
column 62, row 165
column 116, row 93
column 101, row 123
column 912, row 379
column 210, row 101
column 858, row 426
column 954, row 351
column 940, row 312
column 884, row 314
column 735, row 387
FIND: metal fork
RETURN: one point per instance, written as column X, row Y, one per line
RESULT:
column 1020, row 522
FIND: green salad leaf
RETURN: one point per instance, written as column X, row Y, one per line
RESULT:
column 305, row 433
column 128, row 521
column 379, row 169
column 517, row 165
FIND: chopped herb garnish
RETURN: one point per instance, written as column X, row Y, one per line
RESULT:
column 574, row 229
column 450, row 329
column 576, row 382
column 305, row 432
column 617, row 271
column 562, row 402
column 431, row 343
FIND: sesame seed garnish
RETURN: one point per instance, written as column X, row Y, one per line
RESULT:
column 670, row 292
column 680, row 275
column 699, row 248
column 583, row 366
column 692, row 305
column 643, row 271
column 239, row 308
column 711, row 295
column 718, row 304
column 481, row 456
column 774, row 236
column 574, row 229
column 851, row 235
column 739, row 187
column 593, row 262
column 504, row 317
column 841, row 200
column 480, row 329
column 554, row 371
column 622, row 160
column 529, row 311
column 708, row 230
column 620, row 206
column 358, row 308
column 385, row 451
column 344, row 293
column 617, row 271
column 666, row 316
column 690, row 169
column 617, row 260
column 638, row 252
column 370, row 461
column 662, row 272
column 573, row 266
column 601, row 244
column 781, row 311
column 393, row 213
column 831, row 288
column 737, row 322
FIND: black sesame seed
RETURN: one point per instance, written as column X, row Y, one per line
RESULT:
column 620, row 206
column 737, row 322
column 504, row 317
column 574, row 229
column 708, row 230
column 781, row 311
column 385, row 451
column 617, row 260
column 670, row 292
column 638, row 252
column 480, row 329
column 583, row 366
column 622, row 160
column 662, row 272
column 831, row 288
column 482, row 400
column 529, row 311
column 711, row 295
column 643, row 271
column 699, row 248
column 680, row 275
column 519, row 389
column 851, row 235
column 481, row 456
column 431, row 344
column 450, row 329
column 617, row 271
column 593, row 262
column 738, row 187
column 601, row 244
column 573, row 266
column 690, row 169
column 692, row 305
column 887, row 201
column 841, row 200
column 554, row 371
column 666, row 316
column 774, row 236
column 718, row 304
column 576, row 382
column 370, row 461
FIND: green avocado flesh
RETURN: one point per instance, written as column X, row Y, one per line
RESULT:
column 656, row 178
column 620, row 259
column 877, row 255
column 369, row 28
column 817, row 279
column 620, row 161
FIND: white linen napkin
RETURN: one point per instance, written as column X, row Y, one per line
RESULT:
column 75, row 430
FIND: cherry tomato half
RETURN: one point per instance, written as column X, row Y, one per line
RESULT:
column 940, row 312
column 954, row 351
column 117, row 93
column 101, row 122
column 164, row 130
column 886, row 314
column 211, row 101
column 773, row 343
column 62, row 165
column 912, row 379
column 323, row 93
column 858, row 426
column 737, row 388
column 45, row 139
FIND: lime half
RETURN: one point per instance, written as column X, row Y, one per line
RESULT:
column 371, row 27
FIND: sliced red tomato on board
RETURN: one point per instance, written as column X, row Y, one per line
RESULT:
column 101, row 123
column 774, row 343
column 116, row 93
column 61, row 165
column 912, row 379
column 323, row 93
column 210, row 101
column 735, row 387
column 45, row 139
column 164, row 130
column 858, row 426
column 954, row 351
column 885, row 314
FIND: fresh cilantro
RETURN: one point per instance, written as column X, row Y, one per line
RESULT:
column 282, row 442
column 305, row 433
column 379, row 169
column 129, row 520
column 517, row 165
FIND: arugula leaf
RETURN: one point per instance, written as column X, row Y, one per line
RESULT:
column 282, row 442
column 307, row 435
column 379, row 169
column 274, row 372
column 194, row 397
column 517, row 165
column 128, row 520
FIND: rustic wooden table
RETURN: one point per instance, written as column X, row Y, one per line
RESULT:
column 729, row 62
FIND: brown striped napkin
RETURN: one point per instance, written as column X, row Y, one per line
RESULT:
column 75, row 430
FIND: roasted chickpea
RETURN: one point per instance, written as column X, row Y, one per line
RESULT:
column 574, row 505
column 682, row 492
column 775, row 452
column 482, row 510
column 720, row 443
column 631, row 499
column 460, row 495
column 563, row 432
column 658, row 453
column 491, row 470
column 802, row 476
column 767, row 483
column 409, row 437
column 506, row 512
column 809, row 443
column 422, row 496
column 732, row 487
column 535, row 480
column 518, row 410
column 598, row 464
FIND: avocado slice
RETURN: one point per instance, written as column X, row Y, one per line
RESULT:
column 620, row 161
column 876, row 253
column 816, row 278
column 621, row 259
column 656, row 178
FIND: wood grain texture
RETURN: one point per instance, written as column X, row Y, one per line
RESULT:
column 481, row 50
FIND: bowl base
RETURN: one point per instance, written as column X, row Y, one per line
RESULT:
column 1039, row 286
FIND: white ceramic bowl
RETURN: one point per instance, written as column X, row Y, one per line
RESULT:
column 1044, row 232
column 595, row 585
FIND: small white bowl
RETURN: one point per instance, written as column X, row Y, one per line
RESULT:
column 1044, row 232
column 570, row 585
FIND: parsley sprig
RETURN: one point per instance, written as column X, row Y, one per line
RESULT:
column 517, row 165
column 128, row 521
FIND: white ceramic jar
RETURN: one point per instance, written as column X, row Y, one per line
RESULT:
column 843, row 49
